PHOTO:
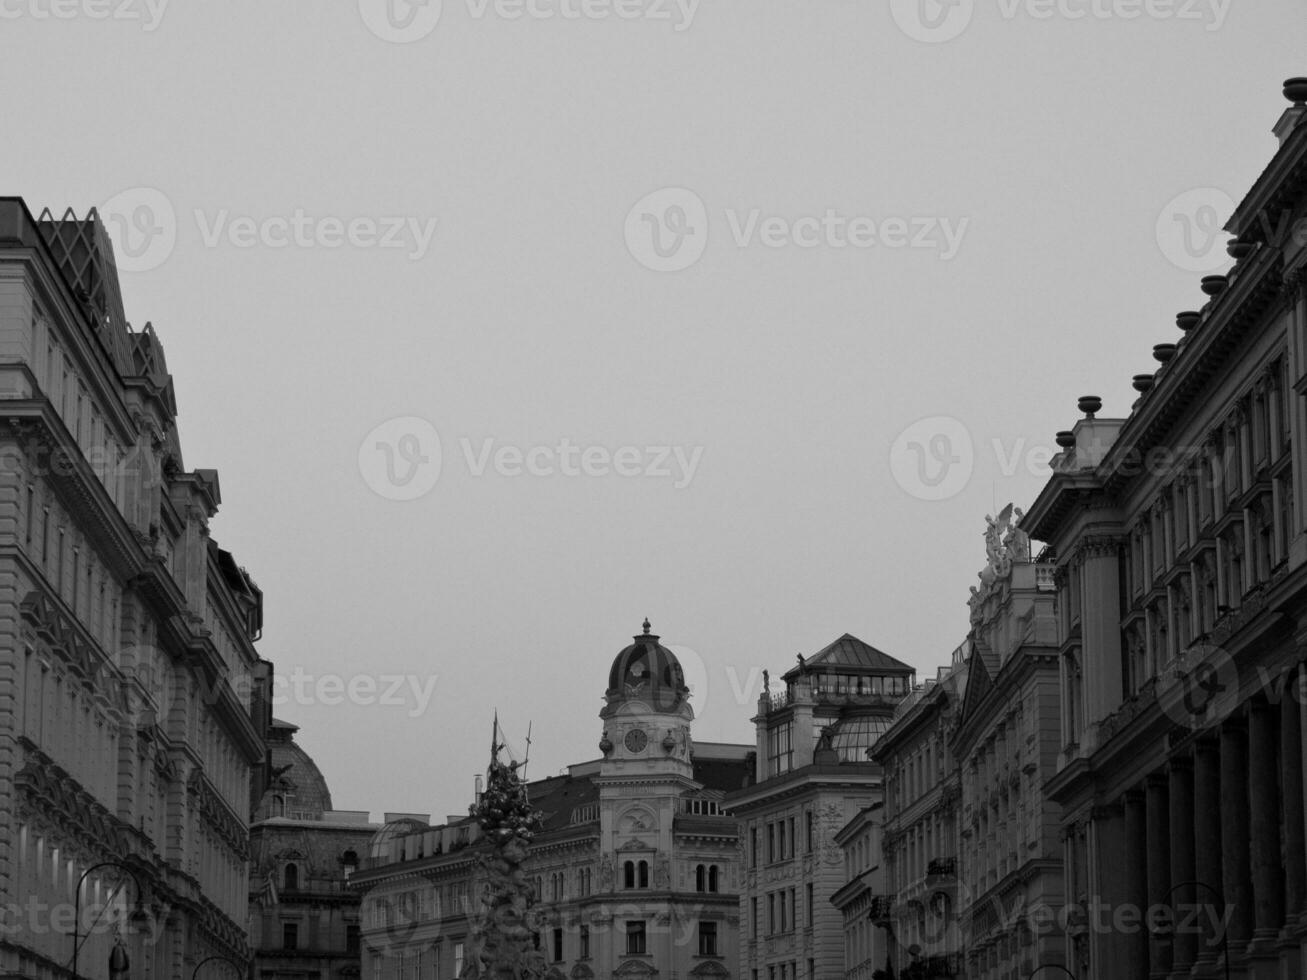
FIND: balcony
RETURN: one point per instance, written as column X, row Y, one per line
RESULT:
column 942, row 868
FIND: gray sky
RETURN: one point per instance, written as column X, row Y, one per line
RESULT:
column 976, row 228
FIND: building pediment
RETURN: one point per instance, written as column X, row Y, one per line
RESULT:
column 635, row 844
column 710, row 968
column 636, row 968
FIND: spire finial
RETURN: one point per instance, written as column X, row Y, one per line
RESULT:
column 646, row 626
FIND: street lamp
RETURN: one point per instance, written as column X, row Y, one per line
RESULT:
column 1050, row 966
column 217, row 956
column 118, row 961
column 1225, row 937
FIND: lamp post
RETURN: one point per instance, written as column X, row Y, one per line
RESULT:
column 1225, row 938
column 217, row 956
column 1050, row 966
column 118, row 961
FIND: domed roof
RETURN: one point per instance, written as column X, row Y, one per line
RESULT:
column 296, row 787
column 647, row 672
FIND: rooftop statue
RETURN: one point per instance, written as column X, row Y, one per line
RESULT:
column 502, row 942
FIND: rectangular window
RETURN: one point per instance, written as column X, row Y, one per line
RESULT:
column 771, row 913
column 290, row 936
column 352, row 938
column 635, row 937
column 753, row 846
column 754, row 917
column 558, row 945
column 780, row 831
column 811, row 906
column 807, row 826
column 792, row 840
column 458, row 959
column 771, row 843
column 780, row 748
column 707, row 938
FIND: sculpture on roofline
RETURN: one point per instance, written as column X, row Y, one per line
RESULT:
column 502, row 944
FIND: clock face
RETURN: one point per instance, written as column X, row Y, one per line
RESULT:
column 636, row 740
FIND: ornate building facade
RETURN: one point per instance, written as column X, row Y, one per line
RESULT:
column 304, row 916
column 636, row 870
column 1180, row 541
column 866, row 948
column 1005, row 744
column 134, row 701
column 918, row 908
column 813, row 777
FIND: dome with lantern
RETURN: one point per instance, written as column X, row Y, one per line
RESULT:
column 648, row 673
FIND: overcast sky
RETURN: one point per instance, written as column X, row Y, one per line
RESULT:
column 738, row 250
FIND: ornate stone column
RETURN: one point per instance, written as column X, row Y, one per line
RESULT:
column 1264, row 806
column 1181, row 891
column 1207, row 840
column 1159, row 867
column 1235, row 860
column 1135, row 944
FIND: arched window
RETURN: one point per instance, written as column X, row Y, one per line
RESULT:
column 628, row 874
column 644, row 874
column 290, row 878
column 699, row 878
column 350, row 862
column 712, row 878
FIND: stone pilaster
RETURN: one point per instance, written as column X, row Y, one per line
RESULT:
column 1181, row 891
column 1235, row 859
column 1207, row 842
column 1159, row 867
column 1135, row 945
column 1264, row 806
column 1291, row 783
